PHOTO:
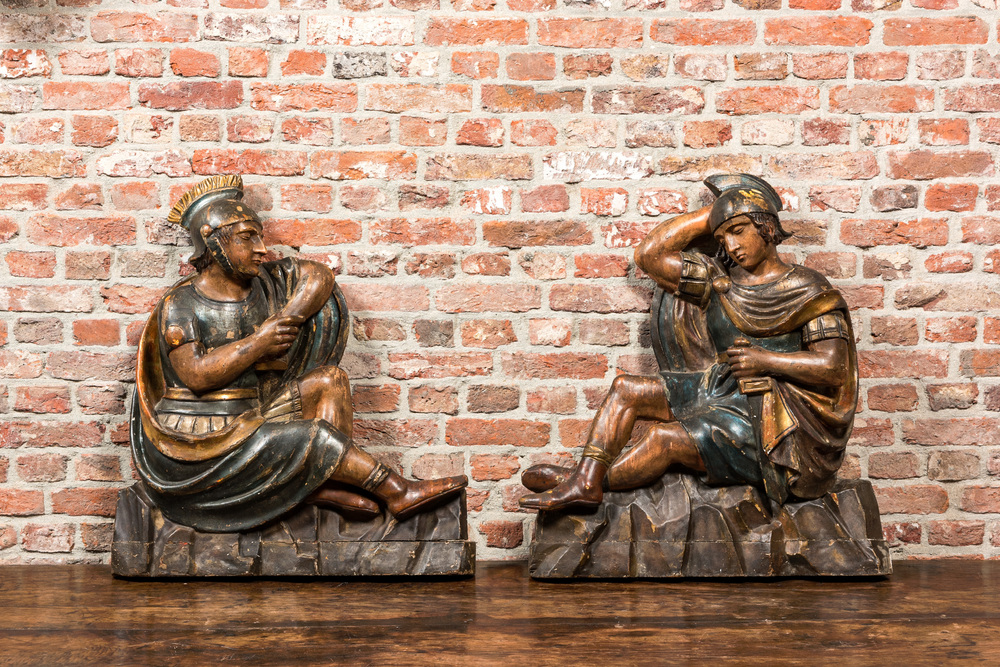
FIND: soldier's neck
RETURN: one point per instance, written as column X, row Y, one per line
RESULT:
column 216, row 284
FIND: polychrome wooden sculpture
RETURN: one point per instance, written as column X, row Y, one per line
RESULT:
column 755, row 399
column 241, row 416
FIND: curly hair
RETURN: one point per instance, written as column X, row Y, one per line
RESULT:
column 768, row 227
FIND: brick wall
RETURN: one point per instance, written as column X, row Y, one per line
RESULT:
column 477, row 171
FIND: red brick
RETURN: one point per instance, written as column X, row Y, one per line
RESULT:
column 43, row 399
column 451, row 31
column 311, row 131
column 944, row 132
column 585, row 67
column 902, row 363
column 17, row 502
column 312, row 232
column 362, row 198
column 703, row 32
column 502, row 534
column 981, row 229
column 192, row 62
column 352, row 165
column 600, row 266
column 317, row 198
column 85, row 501
column 603, row 201
column 899, row 533
column 41, row 467
column 925, row 31
column 640, row 68
column 870, row 233
column 431, row 466
column 832, row 31
column 951, row 330
column 31, row 264
column 516, row 234
column 442, row 400
column 949, row 262
column 956, row 533
column 96, row 332
column 493, row 467
column 488, row 298
column 554, row 365
column 491, row 399
column 489, row 334
column 981, row 499
column 533, row 133
column 550, row 332
column 475, row 65
column 471, row 432
column 486, row 264
column 199, row 127
column 698, row 66
column 940, row 65
column 767, row 99
column 58, row 538
column 552, row 400
column 881, row 65
column 928, row 165
column 93, row 265
column 58, row 230
column 510, row 99
column 531, row 66
column 135, row 196
column 311, row 63
column 370, row 433
column 489, row 201
column 86, row 63
column 892, row 398
column 81, row 95
column 636, row 99
column 912, row 499
column 423, row 231
column 425, row 365
column 893, row 465
column 334, row 98
column 186, row 95
column 247, row 61
column 139, row 62
column 481, row 132
column 23, row 196
column 367, row 131
column 820, row 65
column 590, row 33
column 871, row 98
column 119, row 26
column 967, row 431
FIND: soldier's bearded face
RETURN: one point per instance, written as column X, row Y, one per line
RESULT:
column 245, row 249
column 742, row 242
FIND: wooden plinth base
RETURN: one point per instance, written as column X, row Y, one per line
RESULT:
column 308, row 542
column 679, row 527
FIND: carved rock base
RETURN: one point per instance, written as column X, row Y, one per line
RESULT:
column 308, row 542
column 679, row 527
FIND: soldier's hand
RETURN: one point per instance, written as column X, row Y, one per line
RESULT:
column 277, row 334
column 748, row 360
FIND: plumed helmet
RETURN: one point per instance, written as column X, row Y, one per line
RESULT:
column 738, row 194
column 214, row 203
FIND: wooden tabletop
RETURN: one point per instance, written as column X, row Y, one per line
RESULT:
column 929, row 611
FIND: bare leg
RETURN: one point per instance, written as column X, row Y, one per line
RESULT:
column 631, row 397
column 661, row 447
column 326, row 394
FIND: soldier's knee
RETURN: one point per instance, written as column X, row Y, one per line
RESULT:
column 330, row 378
column 623, row 387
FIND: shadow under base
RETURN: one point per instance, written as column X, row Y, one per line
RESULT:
column 307, row 542
column 680, row 527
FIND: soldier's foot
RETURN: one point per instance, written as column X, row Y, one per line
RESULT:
column 347, row 503
column 574, row 494
column 545, row 476
column 413, row 496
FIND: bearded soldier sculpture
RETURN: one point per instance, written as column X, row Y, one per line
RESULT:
column 239, row 414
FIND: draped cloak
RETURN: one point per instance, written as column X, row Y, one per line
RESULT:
column 804, row 429
column 263, row 461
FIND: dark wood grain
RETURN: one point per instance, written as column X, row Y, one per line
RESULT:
column 927, row 611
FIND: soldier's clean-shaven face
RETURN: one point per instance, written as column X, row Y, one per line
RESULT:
column 742, row 242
